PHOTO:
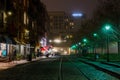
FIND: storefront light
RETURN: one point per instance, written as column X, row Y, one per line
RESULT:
column 57, row 41
column 50, row 40
column 10, row 13
column 55, row 50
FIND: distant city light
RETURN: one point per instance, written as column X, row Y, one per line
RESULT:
column 79, row 43
column 50, row 40
column 55, row 50
column 77, row 14
column 57, row 41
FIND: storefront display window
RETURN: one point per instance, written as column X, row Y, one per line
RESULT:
column 3, row 50
column 43, row 42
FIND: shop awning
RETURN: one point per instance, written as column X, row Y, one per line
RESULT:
column 8, row 40
column 5, row 39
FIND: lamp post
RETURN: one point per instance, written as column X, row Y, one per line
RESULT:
column 95, row 54
column 107, row 28
column 84, row 50
column 85, row 40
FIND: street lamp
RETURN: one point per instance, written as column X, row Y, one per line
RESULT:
column 94, row 50
column 107, row 28
column 85, row 40
column 95, row 34
column 84, row 49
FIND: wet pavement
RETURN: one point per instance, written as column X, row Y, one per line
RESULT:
column 76, row 69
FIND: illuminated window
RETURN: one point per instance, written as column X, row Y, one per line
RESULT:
column 26, row 32
column 26, row 20
column 71, row 23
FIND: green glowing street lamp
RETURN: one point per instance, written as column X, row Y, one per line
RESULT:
column 95, row 34
column 79, row 43
column 85, row 40
column 107, row 28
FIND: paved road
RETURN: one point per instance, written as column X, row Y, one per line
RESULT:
column 63, row 68
column 45, row 69
column 71, row 72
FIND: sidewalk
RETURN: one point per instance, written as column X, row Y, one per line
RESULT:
column 114, row 71
column 6, row 65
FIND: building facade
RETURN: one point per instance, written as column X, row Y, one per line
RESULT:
column 22, row 22
column 60, row 31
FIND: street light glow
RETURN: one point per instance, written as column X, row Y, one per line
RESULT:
column 50, row 40
column 84, row 40
column 95, row 34
column 107, row 27
column 79, row 43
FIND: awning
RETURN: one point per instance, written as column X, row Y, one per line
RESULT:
column 5, row 39
column 8, row 40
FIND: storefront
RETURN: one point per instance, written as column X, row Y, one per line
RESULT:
column 5, row 46
column 3, row 50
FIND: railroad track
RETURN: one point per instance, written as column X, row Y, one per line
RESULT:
column 61, row 71
column 77, row 65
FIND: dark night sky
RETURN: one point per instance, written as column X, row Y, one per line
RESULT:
column 71, row 6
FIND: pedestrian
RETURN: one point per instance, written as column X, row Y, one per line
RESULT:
column 38, row 53
column 14, row 54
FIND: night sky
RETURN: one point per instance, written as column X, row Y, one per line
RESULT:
column 71, row 6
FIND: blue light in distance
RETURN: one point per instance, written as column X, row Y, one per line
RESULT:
column 77, row 14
